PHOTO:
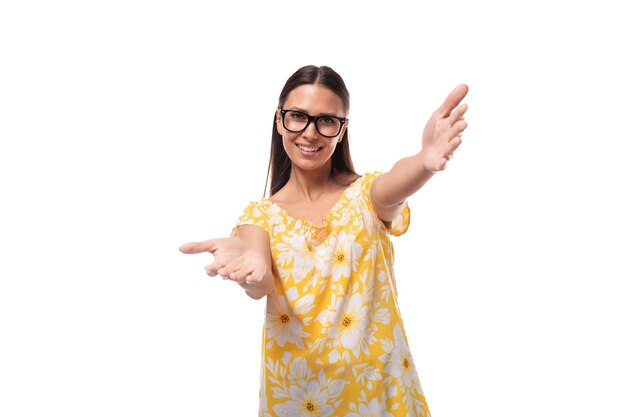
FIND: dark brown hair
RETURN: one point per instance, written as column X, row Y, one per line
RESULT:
column 279, row 168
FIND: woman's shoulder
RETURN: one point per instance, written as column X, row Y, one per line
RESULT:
column 368, row 178
column 348, row 178
column 257, row 207
column 363, row 181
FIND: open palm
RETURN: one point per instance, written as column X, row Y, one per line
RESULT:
column 234, row 259
column 442, row 134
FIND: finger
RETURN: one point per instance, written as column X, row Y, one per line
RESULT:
column 212, row 269
column 248, row 279
column 454, row 131
column 239, row 275
column 458, row 113
column 228, row 271
column 457, row 129
column 254, row 277
column 224, row 272
column 453, row 145
column 453, row 100
column 242, row 281
column 198, row 247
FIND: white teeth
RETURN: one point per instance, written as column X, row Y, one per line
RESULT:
column 307, row 149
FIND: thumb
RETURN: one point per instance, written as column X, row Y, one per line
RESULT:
column 198, row 247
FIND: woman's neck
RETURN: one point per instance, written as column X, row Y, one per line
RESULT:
column 310, row 185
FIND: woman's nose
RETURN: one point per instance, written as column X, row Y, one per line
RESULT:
column 310, row 131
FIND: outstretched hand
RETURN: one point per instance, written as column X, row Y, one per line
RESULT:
column 234, row 259
column 442, row 134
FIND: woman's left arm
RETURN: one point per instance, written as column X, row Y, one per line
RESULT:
column 441, row 137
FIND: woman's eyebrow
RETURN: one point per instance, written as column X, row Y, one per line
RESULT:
column 301, row 110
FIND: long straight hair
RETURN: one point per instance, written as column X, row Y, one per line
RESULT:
column 279, row 167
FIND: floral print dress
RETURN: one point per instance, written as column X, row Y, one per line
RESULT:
column 333, row 340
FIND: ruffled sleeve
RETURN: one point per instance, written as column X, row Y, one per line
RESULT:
column 255, row 213
column 400, row 224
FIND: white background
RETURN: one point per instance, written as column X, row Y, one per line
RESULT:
column 130, row 127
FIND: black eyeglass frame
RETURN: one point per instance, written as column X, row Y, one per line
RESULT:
column 314, row 119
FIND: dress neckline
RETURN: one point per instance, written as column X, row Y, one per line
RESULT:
column 328, row 215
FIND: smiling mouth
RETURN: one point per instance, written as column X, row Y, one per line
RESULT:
column 307, row 148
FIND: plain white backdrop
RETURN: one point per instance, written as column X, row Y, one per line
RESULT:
column 130, row 127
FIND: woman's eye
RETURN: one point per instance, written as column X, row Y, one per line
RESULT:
column 328, row 120
column 297, row 116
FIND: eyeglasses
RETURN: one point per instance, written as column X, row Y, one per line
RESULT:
column 296, row 121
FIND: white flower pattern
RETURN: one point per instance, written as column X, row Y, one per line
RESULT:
column 373, row 408
column 282, row 324
column 342, row 258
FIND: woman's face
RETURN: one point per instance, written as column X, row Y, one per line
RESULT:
column 308, row 150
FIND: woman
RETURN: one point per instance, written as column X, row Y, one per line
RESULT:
column 319, row 249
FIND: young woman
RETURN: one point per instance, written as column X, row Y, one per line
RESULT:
column 319, row 249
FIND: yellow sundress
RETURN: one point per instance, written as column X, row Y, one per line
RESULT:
column 333, row 340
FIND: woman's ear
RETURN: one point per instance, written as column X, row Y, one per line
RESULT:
column 279, row 121
column 343, row 130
